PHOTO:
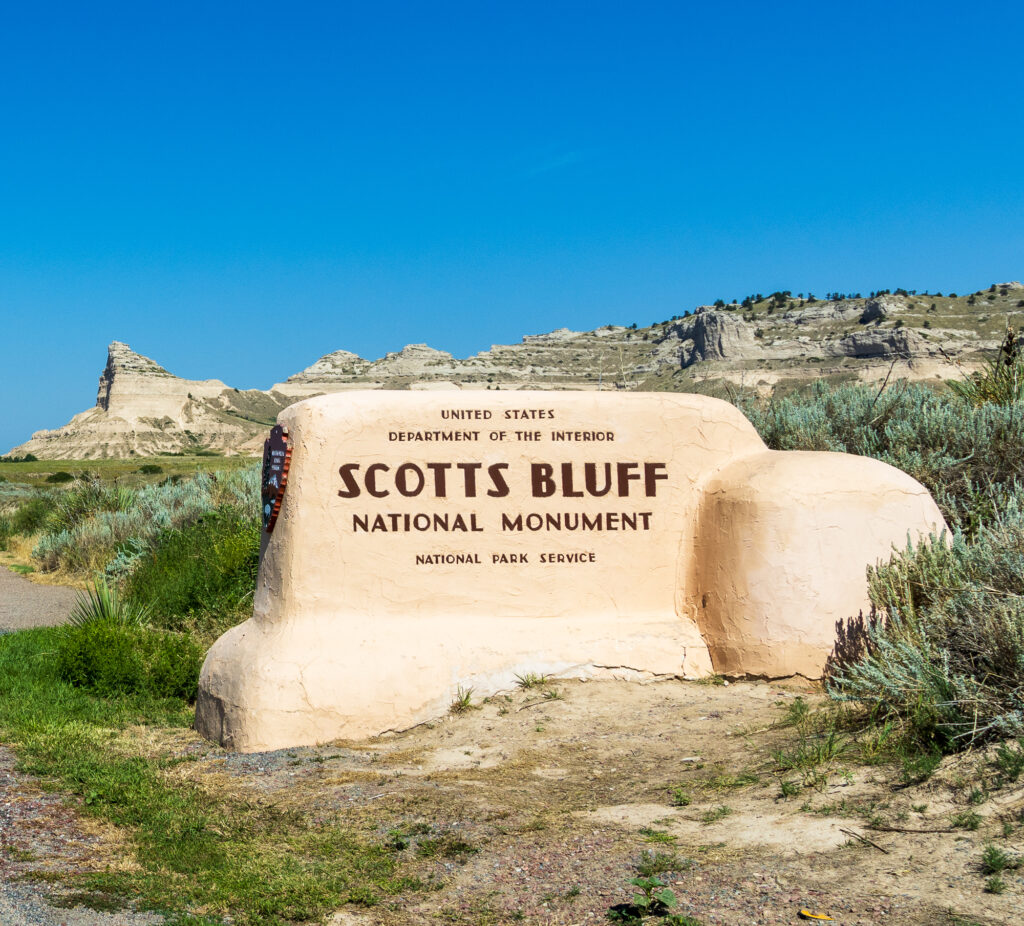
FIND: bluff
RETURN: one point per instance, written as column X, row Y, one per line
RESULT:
column 765, row 343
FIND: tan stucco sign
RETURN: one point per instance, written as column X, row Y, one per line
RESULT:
column 428, row 541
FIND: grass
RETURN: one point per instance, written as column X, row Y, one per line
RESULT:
column 193, row 849
column 133, row 471
column 657, row 836
column 202, row 576
column 446, row 846
column 730, row 781
column 810, row 751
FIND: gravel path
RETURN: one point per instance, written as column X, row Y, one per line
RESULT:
column 30, row 820
column 28, row 604
column 20, row 905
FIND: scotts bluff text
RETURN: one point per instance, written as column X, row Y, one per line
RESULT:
column 440, row 480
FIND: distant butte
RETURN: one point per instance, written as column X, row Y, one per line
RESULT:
column 783, row 340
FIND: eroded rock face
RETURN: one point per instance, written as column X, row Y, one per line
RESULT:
column 880, row 342
column 123, row 362
column 413, row 360
column 141, row 408
column 340, row 366
column 713, row 335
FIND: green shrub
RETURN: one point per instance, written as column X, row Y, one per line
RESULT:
column 150, row 469
column 32, row 515
column 201, row 575
column 112, row 659
column 60, row 476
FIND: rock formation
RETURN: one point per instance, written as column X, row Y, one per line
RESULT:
column 142, row 409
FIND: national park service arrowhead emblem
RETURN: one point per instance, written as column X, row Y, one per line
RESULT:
column 277, row 457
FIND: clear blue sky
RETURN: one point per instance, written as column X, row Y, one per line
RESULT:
column 238, row 188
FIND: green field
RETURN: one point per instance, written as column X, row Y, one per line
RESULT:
column 129, row 472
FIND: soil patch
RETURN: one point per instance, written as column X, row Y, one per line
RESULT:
column 539, row 806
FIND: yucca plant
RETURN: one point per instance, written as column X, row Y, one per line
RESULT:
column 1001, row 381
column 102, row 604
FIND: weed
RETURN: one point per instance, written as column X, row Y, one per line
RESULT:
column 977, row 796
column 1001, row 381
column 650, row 864
column 788, row 788
column 401, row 837
column 712, row 680
column 679, row 797
column 204, row 573
column 1009, row 760
column 447, row 846
column 530, row 680
column 463, row 701
column 729, row 781
column 713, row 816
column 660, row 836
column 995, row 885
column 652, row 898
column 552, row 694
column 810, row 751
column 796, row 713
column 995, row 860
column 116, row 658
column 966, row 820
column 919, row 767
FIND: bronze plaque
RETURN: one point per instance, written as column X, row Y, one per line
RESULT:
column 277, row 456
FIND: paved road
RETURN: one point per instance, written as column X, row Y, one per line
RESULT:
column 28, row 604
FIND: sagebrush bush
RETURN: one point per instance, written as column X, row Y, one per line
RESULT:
column 946, row 654
column 944, row 651
column 113, row 658
column 969, row 457
column 92, row 526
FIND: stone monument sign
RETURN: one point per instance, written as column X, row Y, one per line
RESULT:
column 427, row 541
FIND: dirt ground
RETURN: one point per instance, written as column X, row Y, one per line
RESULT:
column 539, row 805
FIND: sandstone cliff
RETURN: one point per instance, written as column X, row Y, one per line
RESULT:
column 780, row 341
